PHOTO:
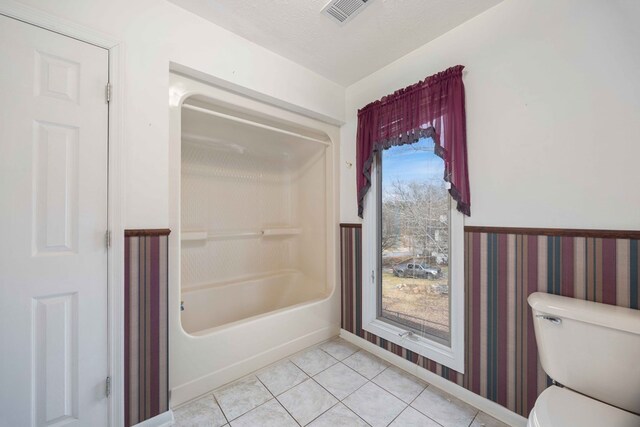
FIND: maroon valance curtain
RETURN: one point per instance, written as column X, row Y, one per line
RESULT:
column 432, row 108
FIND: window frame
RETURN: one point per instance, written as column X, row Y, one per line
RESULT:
column 451, row 356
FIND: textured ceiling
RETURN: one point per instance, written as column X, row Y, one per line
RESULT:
column 382, row 32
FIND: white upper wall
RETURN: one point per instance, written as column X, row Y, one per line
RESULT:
column 553, row 100
column 553, row 112
column 155, row 33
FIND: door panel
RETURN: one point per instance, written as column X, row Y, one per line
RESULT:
column 53, row 218
column 55, row 157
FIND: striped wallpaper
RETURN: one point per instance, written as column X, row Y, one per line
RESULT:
column 146, row 325
column 501, row 270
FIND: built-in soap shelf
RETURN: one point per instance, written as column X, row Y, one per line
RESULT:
column 196, row 235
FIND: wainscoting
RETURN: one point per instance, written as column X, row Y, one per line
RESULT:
column 146, row 325
column 502, row 267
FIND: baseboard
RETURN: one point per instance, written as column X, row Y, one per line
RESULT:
column 213, row 380
column 162, row 420
column 485, row 405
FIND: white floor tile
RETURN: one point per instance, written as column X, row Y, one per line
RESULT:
column 340, row 380
column 400, row 383
column 313, row 361
column 444, row 408
column 338, row 416
column 484, row 420
column 203, row 412
column 242, row 396
column 373, row 393
column 412, row 418
column 271, row 414
column 366, row 364
column 339, row 348
column 374, row 405
column 281, row 377
column 307, row 401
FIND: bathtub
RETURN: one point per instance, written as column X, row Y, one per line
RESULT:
column 252, row 254
column 208, row 308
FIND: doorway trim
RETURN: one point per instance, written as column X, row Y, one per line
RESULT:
column 115, row 182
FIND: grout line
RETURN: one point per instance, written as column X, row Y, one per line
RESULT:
column 400, row 413
column 286, row 390
column 340, row 401
column 327, row 390
column 371, row 382
column 354, row 413
column 349, row 367
column 251, row 410
column 324, row 412
column 416, row 398
column 388, row 365
column 327, row 353
column 220, row 407
column 195, row 399
column 429, row 384
column 367, row 382
column 474, row 418
column 336, row 397
column 346, row 407
column 377, row 375
column 398, row 397
column 327, row 410
column 241, row 379
column 265, row 386
column 254, row 374
column 424, row 415
column 334, row 339
column 276, row 399
column 226, row 417
column 311, row 376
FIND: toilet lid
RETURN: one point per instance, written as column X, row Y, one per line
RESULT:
column 561, row 407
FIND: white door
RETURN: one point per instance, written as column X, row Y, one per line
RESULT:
column 53, row 218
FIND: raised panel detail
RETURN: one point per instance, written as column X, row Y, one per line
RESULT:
column 56, row 188
column 55, row 358
column 57, row 77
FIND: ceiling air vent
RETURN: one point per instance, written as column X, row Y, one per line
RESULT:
column 342, row 11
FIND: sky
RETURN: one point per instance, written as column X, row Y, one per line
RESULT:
column 411, row 162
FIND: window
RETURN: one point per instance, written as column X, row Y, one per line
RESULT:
column 413, row 236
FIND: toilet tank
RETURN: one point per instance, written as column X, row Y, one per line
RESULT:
column 589, row 347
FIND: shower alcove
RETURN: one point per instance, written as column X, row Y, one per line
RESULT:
column 253, row 214
column 252, row 259
column 252, row 218
column 252, row 199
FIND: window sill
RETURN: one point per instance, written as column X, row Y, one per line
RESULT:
column 430, row 349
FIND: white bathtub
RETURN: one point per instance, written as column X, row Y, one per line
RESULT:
column 252, row 252
column 207, row 308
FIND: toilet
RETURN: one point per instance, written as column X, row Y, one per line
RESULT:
column 592, row 352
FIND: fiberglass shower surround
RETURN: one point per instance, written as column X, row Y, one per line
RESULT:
column 253, row 217
column 252, row 210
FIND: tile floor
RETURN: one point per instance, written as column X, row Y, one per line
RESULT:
column 332, row 384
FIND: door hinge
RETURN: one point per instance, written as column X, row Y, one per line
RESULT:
column 107, row 92
column 107, row 387
column 107, row 239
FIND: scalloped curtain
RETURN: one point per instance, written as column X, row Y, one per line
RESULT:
column 432, row 108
